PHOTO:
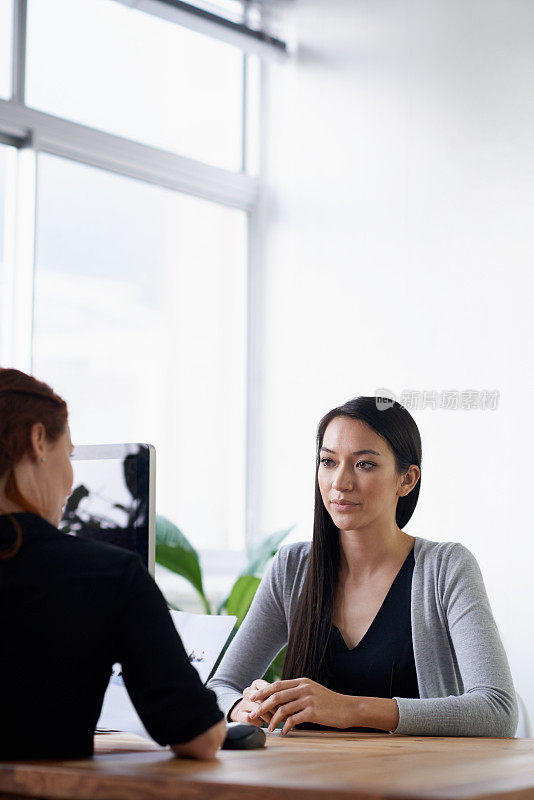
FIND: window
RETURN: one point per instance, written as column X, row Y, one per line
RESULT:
column 6, row 175
column 128, row 176
column 3, row 287
column 5, row 47
column 135, row 75
column 4, row 151
column 140, row 324
column 231, row 9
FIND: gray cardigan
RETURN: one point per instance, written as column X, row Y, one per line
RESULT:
column 465, row 685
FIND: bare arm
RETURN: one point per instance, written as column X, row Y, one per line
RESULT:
column 299, row 700
column 372, row 712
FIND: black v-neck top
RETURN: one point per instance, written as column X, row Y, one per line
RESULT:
column 382, row 663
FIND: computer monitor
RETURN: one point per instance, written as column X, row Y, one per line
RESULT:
column 113, row 497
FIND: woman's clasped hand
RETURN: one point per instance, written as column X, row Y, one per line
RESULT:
column 296, row 701
column 242, row 710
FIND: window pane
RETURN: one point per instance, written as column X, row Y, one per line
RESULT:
column 6, row 161
column 140, row 324
column 3, row 178
column 5, row 47
column 231, row 9
column 3, row 288
column 129, row 73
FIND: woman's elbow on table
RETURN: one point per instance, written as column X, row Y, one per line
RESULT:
column 502, row 721
column 509, row 718
column 475, row 713
column 205, row 745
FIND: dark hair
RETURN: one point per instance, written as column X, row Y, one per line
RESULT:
column 310, row 631
column 23, row 402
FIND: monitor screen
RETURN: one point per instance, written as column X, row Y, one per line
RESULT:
column 113, row 497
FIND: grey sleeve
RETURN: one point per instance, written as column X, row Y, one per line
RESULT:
column 261, row 636
column 488, row 705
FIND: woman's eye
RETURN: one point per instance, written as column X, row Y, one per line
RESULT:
column 325, row 460
column 368, row 465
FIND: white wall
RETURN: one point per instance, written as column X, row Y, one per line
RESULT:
column 398, row 253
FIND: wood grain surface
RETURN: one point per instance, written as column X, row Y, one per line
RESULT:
column 305, row 765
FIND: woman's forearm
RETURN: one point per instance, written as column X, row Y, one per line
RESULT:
column 300, row 700
column 372, row 712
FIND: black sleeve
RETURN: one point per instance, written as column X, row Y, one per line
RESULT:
column 164, row 687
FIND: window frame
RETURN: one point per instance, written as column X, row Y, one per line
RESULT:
column 33, row 132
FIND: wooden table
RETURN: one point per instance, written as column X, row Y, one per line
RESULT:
column 304, row 765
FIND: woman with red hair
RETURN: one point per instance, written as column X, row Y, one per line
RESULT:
column 70, row 607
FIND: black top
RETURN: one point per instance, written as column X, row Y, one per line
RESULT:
column 69, row 609
column 382, row 663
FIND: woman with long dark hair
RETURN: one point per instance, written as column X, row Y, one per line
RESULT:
column 70, row 607
column 384, row 631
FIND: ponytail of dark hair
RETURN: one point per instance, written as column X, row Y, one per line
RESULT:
column 310, row 631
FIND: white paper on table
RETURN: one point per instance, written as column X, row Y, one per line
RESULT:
column 203, row 637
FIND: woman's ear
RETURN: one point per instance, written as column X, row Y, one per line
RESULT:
column 37, row 448
column 408, row 480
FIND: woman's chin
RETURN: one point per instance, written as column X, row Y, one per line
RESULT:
column 346, row 523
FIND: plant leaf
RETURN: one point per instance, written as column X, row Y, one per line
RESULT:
column 260, row 554
column 241, row 596
column 175, row 552
column 274, row 671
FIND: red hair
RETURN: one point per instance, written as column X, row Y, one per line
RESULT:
column 24, row 401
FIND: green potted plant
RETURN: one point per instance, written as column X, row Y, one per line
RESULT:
column 176, row 553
